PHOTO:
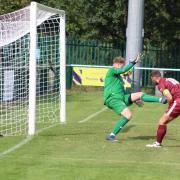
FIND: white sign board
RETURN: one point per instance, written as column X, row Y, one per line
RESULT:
column 8, row 85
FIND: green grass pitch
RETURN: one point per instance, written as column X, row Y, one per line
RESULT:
column 79, row 151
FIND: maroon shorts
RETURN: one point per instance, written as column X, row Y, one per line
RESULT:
column 173, row 109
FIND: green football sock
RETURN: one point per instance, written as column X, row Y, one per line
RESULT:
column 148, row 98
column 121, row 123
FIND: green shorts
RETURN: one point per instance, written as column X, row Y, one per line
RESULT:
column 118, row 102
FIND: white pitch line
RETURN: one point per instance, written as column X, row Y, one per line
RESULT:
column 17, row 146
column 93, row 115
column 23, row 142
column 29, row 138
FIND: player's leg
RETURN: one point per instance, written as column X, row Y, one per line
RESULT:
column 172, row 112
column 147, row 98
column 120, row 108
column 161, row 130
column 126, row 116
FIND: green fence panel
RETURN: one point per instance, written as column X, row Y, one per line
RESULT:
column 161, row 58
column 92, row 52
column 95, row 52
column 68, row 77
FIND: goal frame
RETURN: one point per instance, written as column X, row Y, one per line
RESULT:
column 32, row 65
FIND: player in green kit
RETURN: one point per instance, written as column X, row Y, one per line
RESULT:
column 117, row 99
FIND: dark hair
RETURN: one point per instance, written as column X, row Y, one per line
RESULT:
column 119, row 60
column 155, row 74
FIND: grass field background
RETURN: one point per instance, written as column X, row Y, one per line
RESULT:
column 79, row 151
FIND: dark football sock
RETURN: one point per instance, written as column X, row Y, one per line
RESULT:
column 161, row 132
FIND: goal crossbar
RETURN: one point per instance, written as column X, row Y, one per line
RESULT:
column 52, row 10
column 22, row 25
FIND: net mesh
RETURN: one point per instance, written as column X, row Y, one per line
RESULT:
column 48, row 65
column 14, row 70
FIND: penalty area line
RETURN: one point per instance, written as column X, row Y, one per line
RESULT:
column 17, row 146
column 24, row 141
column 93, row 115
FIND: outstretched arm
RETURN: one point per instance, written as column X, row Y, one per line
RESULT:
column 123, row 69
column 129, row 66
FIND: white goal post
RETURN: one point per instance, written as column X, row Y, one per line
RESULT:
column 32, row 69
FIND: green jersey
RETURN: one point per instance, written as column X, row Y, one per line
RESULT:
column 114, row 83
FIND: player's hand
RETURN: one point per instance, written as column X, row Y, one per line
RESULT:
column 139, row 58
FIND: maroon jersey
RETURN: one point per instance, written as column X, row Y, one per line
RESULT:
column 172, row 85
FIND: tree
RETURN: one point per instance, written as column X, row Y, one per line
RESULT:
column 106, row 19
column 103, row 20
column 162, row 22
column 8, row 6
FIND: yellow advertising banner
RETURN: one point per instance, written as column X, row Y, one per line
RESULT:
column 92, row 76
column 89, row 76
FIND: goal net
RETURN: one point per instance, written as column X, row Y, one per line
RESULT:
column 32, row 69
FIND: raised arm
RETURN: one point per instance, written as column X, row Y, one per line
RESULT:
column 123, row 69
column 129, row 66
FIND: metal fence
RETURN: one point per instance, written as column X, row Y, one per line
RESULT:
column 93, row 52
column 161, row 58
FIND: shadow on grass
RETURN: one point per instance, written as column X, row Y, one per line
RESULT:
column 127, row 128
column 68, row 134
column 75, row 99
column 149, row 138
column 172, row 146
column 142, row 138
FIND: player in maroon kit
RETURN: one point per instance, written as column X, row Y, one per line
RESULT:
column 170, row 88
